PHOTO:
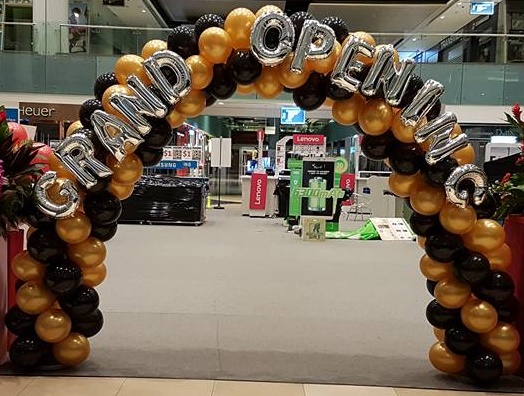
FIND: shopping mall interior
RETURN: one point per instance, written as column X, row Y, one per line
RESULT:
column 216, row 284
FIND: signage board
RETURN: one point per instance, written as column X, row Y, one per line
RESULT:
column 220, row 152
column 309, row 145
column 482, row 8
column 292, row 116
column 11, row 114
column 258, row 192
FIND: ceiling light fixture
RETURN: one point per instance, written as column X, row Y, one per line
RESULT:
column 144, row 11
column 442, row 16
column 414, row 39
column 221, row 103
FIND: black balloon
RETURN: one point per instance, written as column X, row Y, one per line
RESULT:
column 83, row 301
column 509, row 310
column 210, row 99
column 46, row 246
column 461, row 340
column 100, row 151
column 440, row 316
column 206, row 21
column 101, row 185
column 102, row 208
column 313, row 93
column 424, row 225
column 104, row 232
column 62, row 278
column 487, row 208
column 339, row 26
column 483, row 366
column 406, row 159
column 182, row 40
column 437, row 174
column 334, row 92
column 496, row 288
column 35, row 218
column 90, row 324
column 222, row 86
column 434, row 112
column 148, row 155
column 20, row 323
column 160, row 133
column 443, row 246
column 103, row 82
column 472, row 268
column 414, row 85
column 88, row 108
column 298, row 19
column 244, row 67
column 430, row 285
column 18, row 284
column 377, row 147
column 26, row 351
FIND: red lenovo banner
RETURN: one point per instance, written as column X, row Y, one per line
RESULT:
column 257, row 196
column 315, row 140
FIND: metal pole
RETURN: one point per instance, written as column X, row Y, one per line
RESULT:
column 219, row 175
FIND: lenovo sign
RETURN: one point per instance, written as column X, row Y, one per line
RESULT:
column 314, row 140
column 257, row 196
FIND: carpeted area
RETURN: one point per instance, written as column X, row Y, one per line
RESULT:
column 239, row 298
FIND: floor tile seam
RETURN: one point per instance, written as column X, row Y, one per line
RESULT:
column 124, row 380
column 26, row 386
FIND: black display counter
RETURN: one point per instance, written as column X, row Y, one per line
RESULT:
column 163, row 199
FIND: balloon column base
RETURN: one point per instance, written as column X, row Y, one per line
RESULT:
column 514, row 227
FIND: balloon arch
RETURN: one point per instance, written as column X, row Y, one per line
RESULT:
column 131, row 117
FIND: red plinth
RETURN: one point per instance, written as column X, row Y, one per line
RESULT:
column 9, row 248
column 514, row 227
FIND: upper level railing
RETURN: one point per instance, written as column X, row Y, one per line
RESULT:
column 477, row 69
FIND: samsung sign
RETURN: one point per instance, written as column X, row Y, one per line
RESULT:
column 482, row 8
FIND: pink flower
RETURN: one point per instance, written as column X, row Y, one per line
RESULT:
column 506, row 178
column 517, row 112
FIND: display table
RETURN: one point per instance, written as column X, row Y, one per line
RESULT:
column 162, row 199
column 270, row 208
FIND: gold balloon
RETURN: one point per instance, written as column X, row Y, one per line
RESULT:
column 53, row 325
column 376, row 117
column 325, row 65
column 504, row 338
column 175, row 119
column 94, row 276
column 486, row 235
column 53, row 192
column 215, row 45
column 238, row 25
column 445, row 360
column 74, row 229
column 89, row 253
column 61, row 171
column 328, row 102
column 127, row 171
column 113, row 89
column 245, row 89
column 404, row 133
column 499, row 259
column 268, row 8
column 346, row 112
column 465, row 156
column 401, row 185
column 34, row 298
column 439, row 333
column 421, row 241
column 193, row 104
column 75, row 126
column 30, row 230
column 510, row 362
column 435, row 270
column 72, row 350
column 201, row 71
column 288, row 78
column 452, row 293
column 457, row 220
column 267, row 84
column 427, row 200
column 27, row 268
column 457, row 130
column 153, row 46
column 128, row 65
column 479, row 316
column 121, row 191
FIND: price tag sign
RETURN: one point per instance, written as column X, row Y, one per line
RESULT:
column 186, row 154
column 168, row 153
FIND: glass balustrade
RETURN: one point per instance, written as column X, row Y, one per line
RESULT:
column 67, row 58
